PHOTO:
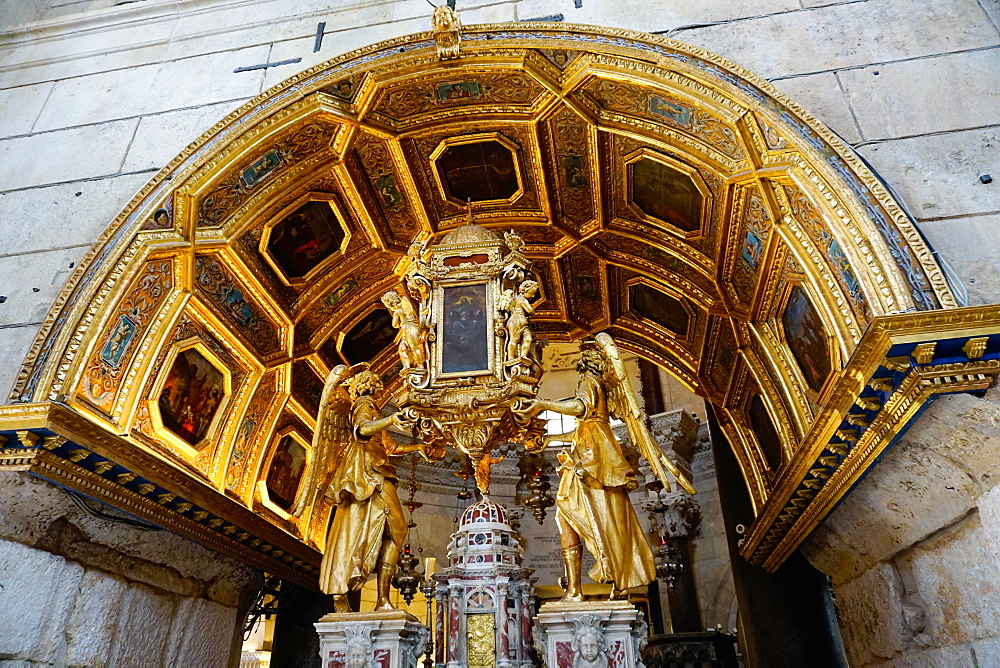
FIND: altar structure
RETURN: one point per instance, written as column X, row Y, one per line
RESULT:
column 485, row 598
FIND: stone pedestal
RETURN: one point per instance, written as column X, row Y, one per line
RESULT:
column 591, row 633
column 393, row 639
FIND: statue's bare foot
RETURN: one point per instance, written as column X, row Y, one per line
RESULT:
column 340, row 604
column 618, row 594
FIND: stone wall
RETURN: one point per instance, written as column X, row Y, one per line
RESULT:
column 913, row 551
column 102, row 98
column 79, row 590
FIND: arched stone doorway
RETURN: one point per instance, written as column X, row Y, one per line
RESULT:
column 668, row 197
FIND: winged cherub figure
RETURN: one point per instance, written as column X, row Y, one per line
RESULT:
column 412, row 331
column 592, row 503
column 351, row 458
column 519, row 336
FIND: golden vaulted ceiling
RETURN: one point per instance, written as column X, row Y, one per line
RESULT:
column 665, row 196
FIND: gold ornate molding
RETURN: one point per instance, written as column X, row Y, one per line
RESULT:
column 55, row 443
column 902, row 362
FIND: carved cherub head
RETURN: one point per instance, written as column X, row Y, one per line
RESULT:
column 391, row 300
column 444, row 18
column 589, row 647
column 359, row 649
column 528, row 288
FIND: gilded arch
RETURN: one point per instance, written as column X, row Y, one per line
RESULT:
column 783, row 203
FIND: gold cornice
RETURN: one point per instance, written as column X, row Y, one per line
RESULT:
column 838, row 450
column 64, row 447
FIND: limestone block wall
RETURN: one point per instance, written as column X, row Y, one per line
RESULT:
column 913, row 551
column 78, row 590
column 99, row 94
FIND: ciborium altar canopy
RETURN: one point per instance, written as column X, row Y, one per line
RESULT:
column 469, row 357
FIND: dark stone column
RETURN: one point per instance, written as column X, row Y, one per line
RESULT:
column 787, row 618
column 683, row 596
column 296, row 644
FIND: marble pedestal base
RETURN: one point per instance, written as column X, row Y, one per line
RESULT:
column 392, row 639
column 592, row 634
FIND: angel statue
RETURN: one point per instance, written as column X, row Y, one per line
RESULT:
column 592, row 502
column 412, row 331
column 447, row 32
column 368, row 527
column 519, row 337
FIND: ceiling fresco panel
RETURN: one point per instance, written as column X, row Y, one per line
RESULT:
column 420, row 153
column 451, row 95
column 570, row 159
column 386, row 197
column 658, row 195
column 233, row 189
column 189, row 406
column 254, row 426
column 583, row 277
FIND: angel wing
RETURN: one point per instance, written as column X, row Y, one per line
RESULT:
column 333, row 429
column 625, row 406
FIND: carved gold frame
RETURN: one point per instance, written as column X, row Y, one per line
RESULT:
column 262, row 493
column 164, row 432
column 265, row 237
column 460, row 140
column 707, row 199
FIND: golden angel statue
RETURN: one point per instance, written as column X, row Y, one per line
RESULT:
column 351, row 466
column 592, row 503
column 447, row 32
column 412, row 331
column 519, row 308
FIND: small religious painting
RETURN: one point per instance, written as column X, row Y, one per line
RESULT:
column 573, row 164
column 587, row 287
column 239, row 306
column 260, row 168
column 661, row 308
column 458, row 90
column 667, row 194
column 339, row 292
column 480, row 172
column 764, row 430
column 283, row 476
column 191, row 396
column 300, row 242
column 559, row 57
column 842, row 264
column 369, row 337
column 672, row 111
column 386, row 186
column 771, row 137
column 464, row 330
column 343, row 89
column 753, row 250
column 119, row 341
column 160, row 220
column 807, row 339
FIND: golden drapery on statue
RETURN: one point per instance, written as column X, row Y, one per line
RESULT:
column 369, row 517
column 351, row 457
column 592, row 503
column 594, row 482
